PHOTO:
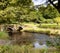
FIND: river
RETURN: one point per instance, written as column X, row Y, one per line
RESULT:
column 37, row 39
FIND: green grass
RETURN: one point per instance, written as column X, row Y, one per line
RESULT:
column 42, row 31
column 52, row 26
column 3, row 35
column 42, row 28
column 24, row 49
column 43, row 25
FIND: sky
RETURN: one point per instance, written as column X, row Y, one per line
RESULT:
column 39, row 2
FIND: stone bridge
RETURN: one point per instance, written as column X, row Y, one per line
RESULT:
column 5, row 26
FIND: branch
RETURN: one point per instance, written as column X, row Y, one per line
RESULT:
column 59, row 3
column 52, row 3
column 57, row 7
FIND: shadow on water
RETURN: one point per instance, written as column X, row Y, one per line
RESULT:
column 21, row 37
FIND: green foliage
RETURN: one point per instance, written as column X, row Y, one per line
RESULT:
column 33, row 16
column 6, row 3
column 48, row 21
column 15, row 11
column 11, row 10
column 24, row 49
column 56, row 20
column 3, row 35
column 49, row 25
column 49, row 12
column 56, row 43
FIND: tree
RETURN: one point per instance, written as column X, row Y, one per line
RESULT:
column 56, row 6
column 12, row 10
column 22, row 3
column 49, row 12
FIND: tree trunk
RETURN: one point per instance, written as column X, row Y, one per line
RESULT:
column 58, row 7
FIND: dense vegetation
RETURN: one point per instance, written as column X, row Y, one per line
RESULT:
column 56, row 5
column 24, row 49
column 14, row 11
column 21, row 11
column 4, row 35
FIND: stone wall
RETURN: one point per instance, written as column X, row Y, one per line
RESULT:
column 4, row 26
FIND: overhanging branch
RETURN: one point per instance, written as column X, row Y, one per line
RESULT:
column 57, row 7
column 52, row 3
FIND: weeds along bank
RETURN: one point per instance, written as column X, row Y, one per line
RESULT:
column 4, row 35
column 25, row 49
column 50, row 29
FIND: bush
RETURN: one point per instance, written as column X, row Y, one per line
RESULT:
column 57, row 19
column 3, row 35
column 24, row 49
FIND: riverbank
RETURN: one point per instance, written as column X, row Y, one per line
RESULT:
column 25, row 49
column 29, row 27
column 46, row 28
column 33, row 27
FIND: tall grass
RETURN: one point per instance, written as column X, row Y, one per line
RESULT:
column 25, row 49
column 42, row 31
column 52, row 26
column 3, row 35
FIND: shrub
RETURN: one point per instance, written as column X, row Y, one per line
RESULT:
column 3, row 35
column 24, row 49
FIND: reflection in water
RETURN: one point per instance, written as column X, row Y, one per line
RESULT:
column 37, row 45
column 38, row 40
column 21, row 38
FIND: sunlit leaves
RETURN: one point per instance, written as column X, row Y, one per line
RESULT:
column 49, row 12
